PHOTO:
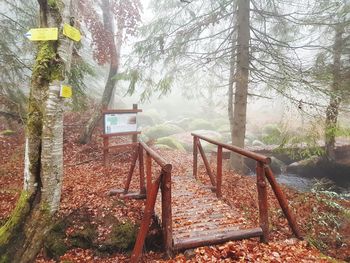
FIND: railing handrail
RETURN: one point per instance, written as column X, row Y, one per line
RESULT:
column 166, row 166
column 162, row 182
column 257, row 157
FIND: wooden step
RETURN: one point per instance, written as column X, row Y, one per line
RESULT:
column 214, row 239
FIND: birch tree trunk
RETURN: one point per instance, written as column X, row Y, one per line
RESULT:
column 335, row 97
column 21, row 238
column 241, row 94
column 115, row 47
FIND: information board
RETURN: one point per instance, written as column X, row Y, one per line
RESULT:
column 120, row 123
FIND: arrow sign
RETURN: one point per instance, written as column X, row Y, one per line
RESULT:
column 71, row 32
column 42, row 34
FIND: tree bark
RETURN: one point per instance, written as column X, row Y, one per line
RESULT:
column 21, row 238
column 115, row 47
column 335, row 97
column 242, row 74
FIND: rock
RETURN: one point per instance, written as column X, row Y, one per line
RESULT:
column 162, row 130
column 297, row 167
column 277, row 165
column 186, row 139
column 83, row 238
column 258, row 143
column 171, row 142
column 201, row 124
column 124, row 235
column 162, row 147
column 54, row 242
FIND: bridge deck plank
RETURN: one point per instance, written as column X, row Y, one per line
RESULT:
column 200, row 218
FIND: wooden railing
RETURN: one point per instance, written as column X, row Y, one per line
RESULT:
column 262, row 171
column 162, row 181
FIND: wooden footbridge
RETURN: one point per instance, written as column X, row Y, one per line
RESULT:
column 192, row 214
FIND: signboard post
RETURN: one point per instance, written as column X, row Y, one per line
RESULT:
column 119, row 123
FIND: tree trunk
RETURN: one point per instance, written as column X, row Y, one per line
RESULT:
column 241, row 94
column 115, row 47
column 21, row 238
column 335, row 98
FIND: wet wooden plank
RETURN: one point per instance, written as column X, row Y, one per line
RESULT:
column 200, row 218
column 187, row 243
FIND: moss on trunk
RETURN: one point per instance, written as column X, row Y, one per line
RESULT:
column 12, row 228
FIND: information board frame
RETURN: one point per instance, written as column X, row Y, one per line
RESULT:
column 106, row 136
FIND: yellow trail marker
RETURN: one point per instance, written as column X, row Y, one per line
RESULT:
column 66, row 91
column 71, row 32
column 42, row 34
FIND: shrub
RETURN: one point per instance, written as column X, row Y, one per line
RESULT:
column 200, row 124
column 170, row 142
column 162, row 130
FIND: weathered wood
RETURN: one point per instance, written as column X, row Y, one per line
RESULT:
column 133, row 196
column 156, row 157
column 120, row 146
column 149, row 210
column 141, row 171
column 219, row 173
column 249, row 154
column 120, row 134
column 167, row 223
column 195, row 156
column 206, row 163
column 134, row 136
column 131, row 171
column 262, row 200
column 148, row 171
column 217, row 239
column 121, row 111
column 105, row 150
column 282, row 200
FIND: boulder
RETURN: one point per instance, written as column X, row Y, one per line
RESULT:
column 277, row 166
column 170, row 142
column 162, row 130
column 258, row 143
column 300, row 166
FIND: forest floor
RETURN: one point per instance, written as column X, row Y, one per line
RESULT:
column 323, row 218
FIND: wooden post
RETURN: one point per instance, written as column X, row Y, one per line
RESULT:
column 148, row 172
column 105, row 142
column 195, row 156
column 263, row 206
column 131, row 171
column 167, row 225
column 282, row 200
column 134, row 136
column 206, row 164
column 219, row 173
column 149, row 210
column 142, row 171
column 105, row 150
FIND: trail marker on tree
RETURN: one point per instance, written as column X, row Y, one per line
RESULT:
column 66, row 91
column 71, row 32
column 42, row 34
column 119, row 123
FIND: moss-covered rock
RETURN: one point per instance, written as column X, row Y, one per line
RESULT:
column 84, row 237
column 258, row 143
column 162, row 130
column 54, row 242
column 201, row 124
column 170, row 142
column 122, row 237
column 162, row 147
